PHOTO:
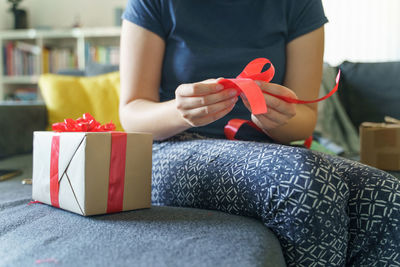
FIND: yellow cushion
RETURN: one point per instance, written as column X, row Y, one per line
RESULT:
column 70, row 97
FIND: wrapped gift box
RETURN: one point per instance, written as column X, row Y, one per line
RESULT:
column 380, row 144
column 92, row 172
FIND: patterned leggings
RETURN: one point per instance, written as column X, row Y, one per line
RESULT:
column 326, row 211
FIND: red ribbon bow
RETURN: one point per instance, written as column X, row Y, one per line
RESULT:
column 85, row 124
column 245, row 82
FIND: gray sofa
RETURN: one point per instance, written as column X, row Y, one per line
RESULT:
column 159, row 236
column 367, row 92
column 167, row 236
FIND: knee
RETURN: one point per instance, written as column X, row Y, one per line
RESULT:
column 314, row 178
column 313, row 191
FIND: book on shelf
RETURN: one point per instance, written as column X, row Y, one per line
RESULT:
column 20, row 59
column 108, row 55
column 24, row 58
column 22, row 94
column 55, row 59
column 29, row 48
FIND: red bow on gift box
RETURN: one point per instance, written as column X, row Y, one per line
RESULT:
column 85, row 124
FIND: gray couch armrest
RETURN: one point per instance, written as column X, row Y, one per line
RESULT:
column 17, row 123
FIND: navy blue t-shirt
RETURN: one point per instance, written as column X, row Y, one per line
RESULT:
column 217, row 38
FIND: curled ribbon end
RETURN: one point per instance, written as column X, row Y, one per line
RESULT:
column 338, row 76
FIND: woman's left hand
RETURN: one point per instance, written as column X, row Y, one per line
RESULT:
column 279, row 111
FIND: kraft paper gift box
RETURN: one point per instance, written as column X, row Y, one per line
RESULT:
column 380, row 144
column 92, row 173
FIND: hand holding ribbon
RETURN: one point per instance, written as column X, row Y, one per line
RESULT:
column 204, row 102
column 245, row 83
column 279, row 112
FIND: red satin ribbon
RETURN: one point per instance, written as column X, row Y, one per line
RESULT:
column 117, row 159
column 233, row 126
column 54, row 185
column 308, row 142
column 245, row 82
column 34, row 202
column 117, row 172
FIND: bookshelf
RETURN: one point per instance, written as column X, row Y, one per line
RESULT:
column 26, row 54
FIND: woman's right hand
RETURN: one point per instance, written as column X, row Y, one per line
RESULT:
column 204, row 102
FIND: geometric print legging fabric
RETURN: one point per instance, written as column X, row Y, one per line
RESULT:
column 325, row 210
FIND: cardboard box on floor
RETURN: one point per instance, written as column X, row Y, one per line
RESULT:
column 380, row 144
column 83, row 170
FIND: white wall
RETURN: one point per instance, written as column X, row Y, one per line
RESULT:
column 5, row 17
column 362, row 30
column 62, row 13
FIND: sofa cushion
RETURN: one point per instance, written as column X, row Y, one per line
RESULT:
column 94, row 69
column 71, row 72
column 70, row 97
column 159, row 236
column 369, row 91
column 17, row 123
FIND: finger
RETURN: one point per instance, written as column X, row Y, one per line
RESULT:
column 213, row 117
column 199, row 89
column 204, row 111
column 275, row 102
column 286, row 109
column 280, row 106
column 276, row 89
column 200, row 101
column 264, row 123
column 274, row 116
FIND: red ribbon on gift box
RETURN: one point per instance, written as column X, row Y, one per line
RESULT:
column 117, row 172
column 245, row 83
column 54, row 183
column 117, row 159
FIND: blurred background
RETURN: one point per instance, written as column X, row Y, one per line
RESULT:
column 358, row 30
column 58, row 13
column 362, row 30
